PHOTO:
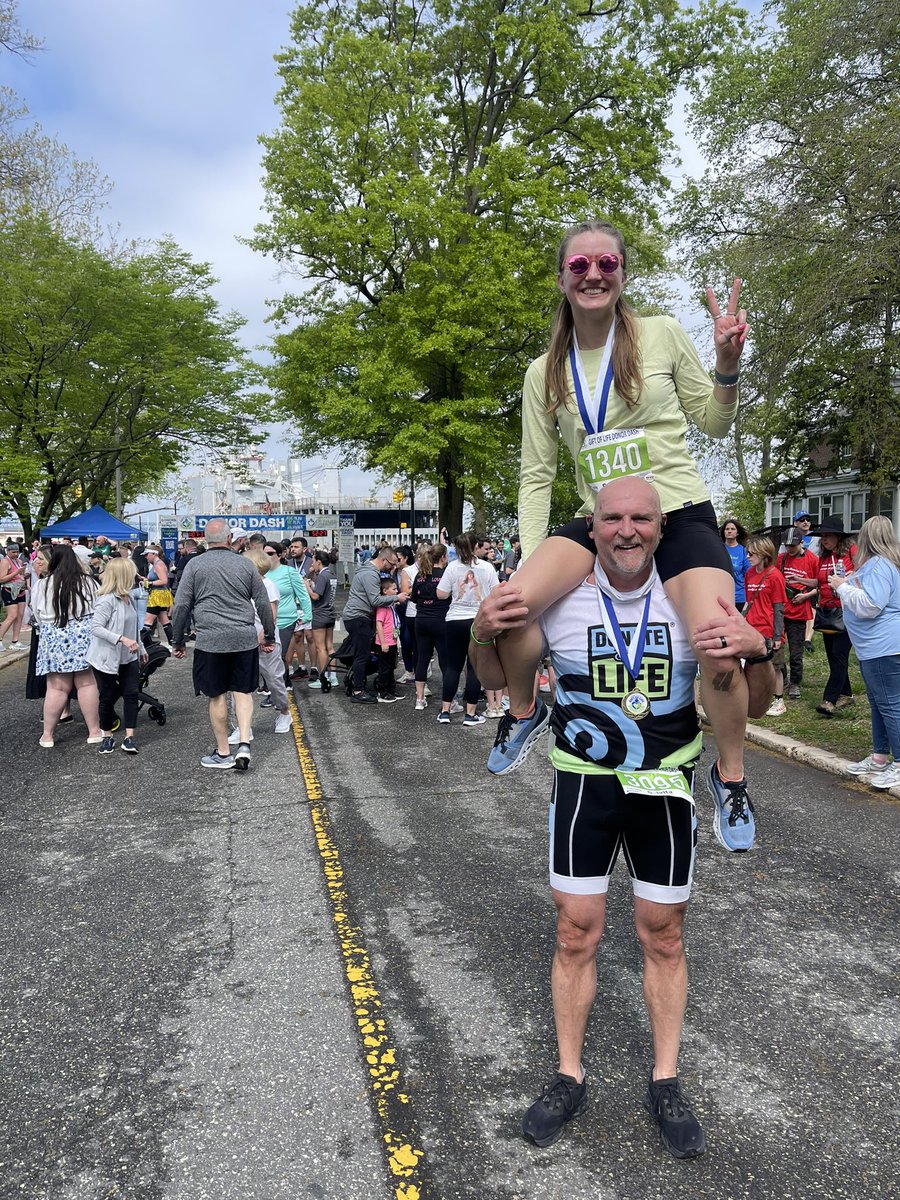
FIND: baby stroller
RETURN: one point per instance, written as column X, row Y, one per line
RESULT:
column 342, row 659
column 156, row 656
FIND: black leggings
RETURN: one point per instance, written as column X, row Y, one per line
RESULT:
column 111, row 687
column 456, row 634
column 837, row 651
column 429, row 637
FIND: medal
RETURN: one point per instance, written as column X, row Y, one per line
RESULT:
column 635, row 705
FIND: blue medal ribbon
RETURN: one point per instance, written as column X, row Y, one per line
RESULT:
column 603, row 387
column 632, row 666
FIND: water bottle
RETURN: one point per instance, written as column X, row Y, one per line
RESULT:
column 840, row 569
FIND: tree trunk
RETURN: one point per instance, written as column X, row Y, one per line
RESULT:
column 476, row 499
column 451, row 494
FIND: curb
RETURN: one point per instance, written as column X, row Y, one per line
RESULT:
column 9, row 657
column 810, row 756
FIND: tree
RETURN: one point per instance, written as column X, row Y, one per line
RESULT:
column 104, row 363
column 429, row 155
column 37, row 172
column 804, row 202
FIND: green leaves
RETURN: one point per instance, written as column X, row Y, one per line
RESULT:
column 803, row 203
column 108, row 361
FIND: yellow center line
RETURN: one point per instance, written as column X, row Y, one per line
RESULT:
column 405, row 1160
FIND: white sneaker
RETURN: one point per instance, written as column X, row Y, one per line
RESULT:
column 504, row 703
column 407, row 677
column 868, row 766
column 17, row 646
column 456, row 707
column 420, row 704
column 776, row 708
column 2, row 647
column 332, row 678
column 234, row 738
column 427, row 690
column 284, row 723
column 889, row 777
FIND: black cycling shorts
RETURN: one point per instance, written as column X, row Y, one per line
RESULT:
column 592, row 818
column 690, row 539
column 215, row 674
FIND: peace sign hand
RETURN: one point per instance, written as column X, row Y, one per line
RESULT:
column 730, row 329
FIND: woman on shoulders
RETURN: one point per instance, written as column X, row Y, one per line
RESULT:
column 870, row 599
column 619, row 390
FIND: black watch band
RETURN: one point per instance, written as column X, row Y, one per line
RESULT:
column 751, row 662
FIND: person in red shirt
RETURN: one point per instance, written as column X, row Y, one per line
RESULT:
column 766, row 598
column 800, row 568
column 836, row 557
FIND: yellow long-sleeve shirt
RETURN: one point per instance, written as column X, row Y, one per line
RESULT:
column 676, row 387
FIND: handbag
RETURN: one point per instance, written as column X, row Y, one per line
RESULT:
column 830, row 620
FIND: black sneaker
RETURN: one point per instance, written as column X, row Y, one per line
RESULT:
column 679, row 1129
column 360, row 698
column 558, row 1103
column 267, row 701
column 107, row 745
column 128, row 746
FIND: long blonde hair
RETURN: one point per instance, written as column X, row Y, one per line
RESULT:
column 119, row 577
column 877, row 539
column 626, row 352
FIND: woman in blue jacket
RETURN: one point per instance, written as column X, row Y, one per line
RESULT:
column 870, row 598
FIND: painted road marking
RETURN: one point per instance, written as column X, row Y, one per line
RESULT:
column 405, row 1160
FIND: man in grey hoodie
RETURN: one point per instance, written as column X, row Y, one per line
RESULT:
column 221, row 589
column 359, row 614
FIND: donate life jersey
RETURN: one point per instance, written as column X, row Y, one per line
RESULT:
column 591, row 733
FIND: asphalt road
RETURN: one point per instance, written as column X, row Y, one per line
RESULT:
column 276, row 984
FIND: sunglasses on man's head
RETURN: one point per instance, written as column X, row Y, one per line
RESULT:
column 579, row 264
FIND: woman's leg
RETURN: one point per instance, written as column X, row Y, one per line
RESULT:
column 14, row 614
column 107, row 694
column 456, row 645
column 882, row 679
column 321, row 654
column 473, row 683
column 88, row 700
column 426, row 636
column 58, row 687
column 841, row 647
column 556, row 567
column 723, row 687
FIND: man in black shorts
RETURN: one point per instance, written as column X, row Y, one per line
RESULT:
column 625, row 741
column 221, row 590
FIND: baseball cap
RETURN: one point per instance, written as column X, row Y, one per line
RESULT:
column 793, row 537
column 798, row 516
column 83, row 553
column 239, row 531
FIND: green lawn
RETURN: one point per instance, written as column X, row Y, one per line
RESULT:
column 848, row 732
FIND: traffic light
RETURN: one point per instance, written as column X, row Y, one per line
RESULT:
column 398, row 495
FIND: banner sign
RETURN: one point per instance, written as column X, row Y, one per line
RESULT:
column 168, row 539
column 346, row 537
column 277, row 523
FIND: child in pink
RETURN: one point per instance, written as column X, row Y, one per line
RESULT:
column 387, row 637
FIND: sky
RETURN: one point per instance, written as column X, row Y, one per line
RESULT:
column 169, row 99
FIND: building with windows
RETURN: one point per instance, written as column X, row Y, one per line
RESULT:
column 838, row 495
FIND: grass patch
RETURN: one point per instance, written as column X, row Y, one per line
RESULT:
column 847, row 733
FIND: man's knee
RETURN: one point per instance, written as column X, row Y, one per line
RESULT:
column 660, row 930
column 578, row 935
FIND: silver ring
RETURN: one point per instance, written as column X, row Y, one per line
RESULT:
column 724, row 643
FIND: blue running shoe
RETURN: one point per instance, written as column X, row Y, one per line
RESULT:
column 515, row 738
column 733, row 822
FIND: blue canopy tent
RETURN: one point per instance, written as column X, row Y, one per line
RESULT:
column 93, row 523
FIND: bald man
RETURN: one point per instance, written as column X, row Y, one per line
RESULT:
column 625, row 743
